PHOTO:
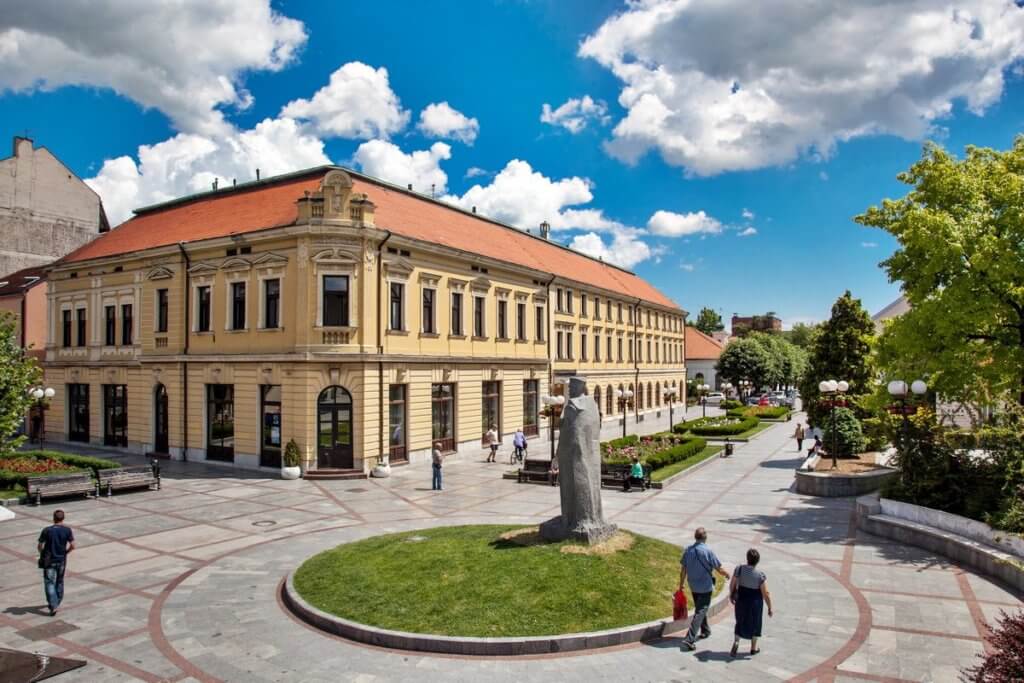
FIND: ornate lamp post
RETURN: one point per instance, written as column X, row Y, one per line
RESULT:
column 727, row 388
column 835, row 393
column 745, row 387
column 41, row 395
column 552, row 406
column 898, row 389
column 702, row 392
column 625, row 397
column 669, row 393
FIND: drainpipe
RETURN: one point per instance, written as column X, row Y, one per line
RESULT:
column 184, row 363
column 551, row 365
column 380, row 352
column 636, row 361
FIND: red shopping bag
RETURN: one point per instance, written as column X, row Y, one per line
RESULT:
column 679, row 610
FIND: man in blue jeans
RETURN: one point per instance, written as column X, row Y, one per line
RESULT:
column 698, row 566
column 55, row 542
column 437, row 461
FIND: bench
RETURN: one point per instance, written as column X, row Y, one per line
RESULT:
column 117, row 478
column 534, row 470
column 56, row 485
column 616, row 475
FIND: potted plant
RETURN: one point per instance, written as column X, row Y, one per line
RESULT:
column 382, row 468
column 290, row 461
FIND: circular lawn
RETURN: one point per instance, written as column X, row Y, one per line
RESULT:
column 492, row 581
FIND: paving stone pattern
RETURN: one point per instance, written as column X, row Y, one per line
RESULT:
column 182, row 584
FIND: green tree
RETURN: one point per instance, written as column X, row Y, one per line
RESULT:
column 708, row 321
column 801, row 335
column 18, row 373
column 745, row 359
column 960, row 263
column 841, row 351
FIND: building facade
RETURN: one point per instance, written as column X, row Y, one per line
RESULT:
column 702, row 352
column 46, row 211
column 744, row 325
column 361, row 320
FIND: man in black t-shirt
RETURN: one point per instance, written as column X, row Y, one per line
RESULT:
column 55, row 542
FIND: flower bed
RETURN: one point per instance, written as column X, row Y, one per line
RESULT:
column 724, row 426
column 760, row 412
column 16, row 469
column 657, row 450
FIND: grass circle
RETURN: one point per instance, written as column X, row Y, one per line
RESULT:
column 492, row 581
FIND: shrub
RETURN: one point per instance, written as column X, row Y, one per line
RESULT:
column 762, row 412
column 875, row 434
column 676, row 453
column 724, row 426
column 730, row 404
column 17, row 468
column 1004, row 660
column 843, row 433
column 623, row 441
column 291, row 456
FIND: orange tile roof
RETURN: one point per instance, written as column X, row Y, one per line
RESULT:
column 700, row 346
column 271, row 203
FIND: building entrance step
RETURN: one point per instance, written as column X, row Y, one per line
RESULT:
column 331, row 473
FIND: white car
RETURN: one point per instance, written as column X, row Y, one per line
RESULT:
column 714, row 398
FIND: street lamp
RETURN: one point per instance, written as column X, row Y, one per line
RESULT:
column 625, row 397
column 669, row 393
column 40, row 395
column 727, row 388
column 702, row 391
column 836, row 393
column 553, row 403
column 899, row 390
column 745, row 386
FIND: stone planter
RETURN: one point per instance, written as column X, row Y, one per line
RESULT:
column 291, row 472
column 381, row 471
column 833, row 485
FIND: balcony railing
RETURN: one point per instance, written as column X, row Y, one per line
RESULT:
column 335, row 337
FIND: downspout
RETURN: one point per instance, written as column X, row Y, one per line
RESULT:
column 551, row 364
column 24, row 296
column 636, row 360
column 184, row 363
column 380, row 353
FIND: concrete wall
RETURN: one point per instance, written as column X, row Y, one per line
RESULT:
column 829, row 485
column 707, row 367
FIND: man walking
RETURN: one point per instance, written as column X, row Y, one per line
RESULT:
column 698, row 566
column 799, row 436
column 519, row 442
column 437, row 460
column 55, row 542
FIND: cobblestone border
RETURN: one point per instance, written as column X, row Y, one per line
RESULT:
column 484, row 647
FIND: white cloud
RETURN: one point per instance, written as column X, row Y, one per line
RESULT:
column 421, row 169
column 748, row 231
column 672, row 224
column 713, row 93
column 440, row 120
column 625, row 248
column 688, row 267
column 575, row 113
column 823, row 175
column 748, row 214
column 476, row 172
column 189, row 163
column 869, row 245
column 358, row 103
column 186, row 59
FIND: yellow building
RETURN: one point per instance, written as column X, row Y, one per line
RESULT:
column 360, row 319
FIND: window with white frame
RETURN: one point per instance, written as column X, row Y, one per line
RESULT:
column 334, row 309
column 429, row 311
column 396, row 306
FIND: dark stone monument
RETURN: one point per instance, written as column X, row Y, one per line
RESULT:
column 579, row 472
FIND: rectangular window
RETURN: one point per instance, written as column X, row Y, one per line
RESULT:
column 540, row 323
column 270, row 416
column 428, row 310
column 442, row 416
column 559, row 301
column 597, row 348
column 335, row 301
column 502, row 319
column 559, row 355
column 620, row 313
column 161, row 310
column 111, row 322
column 583, row 345
column 568, row 345
column 396, row 298
column 568, row 300
column 478, row 316
column 203, row 309
column 115, row 415
column 609, row 310
column 238, row 305
column 629, row 349
column 619, row 356
column 271, row 304
column 80, row 323
column 609, row 354
column 491, row 407
column 648, row 351
column 78, row 412
column 583, row 304
column 66, row 328
column 220, row 422
column 531, row 408
column 457, row 314
column 396, row 423
column 597, row 308
column 521, row 321
column 126, row 324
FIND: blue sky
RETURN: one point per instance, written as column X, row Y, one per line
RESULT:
column 717, row 121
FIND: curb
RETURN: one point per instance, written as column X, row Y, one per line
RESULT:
column 484, row 647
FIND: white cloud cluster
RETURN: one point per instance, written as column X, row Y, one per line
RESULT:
column 421, row 169
column 748, row 231
column 440, row 120
column 358, row 102
column 575, row 113
column 184, row 58
column 625, row 248
column 670, row 224
column 734, row 85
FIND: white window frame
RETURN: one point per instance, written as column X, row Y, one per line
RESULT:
column 321, row 273
column 230, row 283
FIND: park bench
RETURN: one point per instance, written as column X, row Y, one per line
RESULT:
column 616, row 475
column 117, row 478
column 56, row 485
column 534, row 470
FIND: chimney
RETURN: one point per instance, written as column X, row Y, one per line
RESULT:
column 545, row 229
column 215, row 181
column 474, row 209
column 257, row 174
column 431, row 190
column 234, row 182
column 410, row 187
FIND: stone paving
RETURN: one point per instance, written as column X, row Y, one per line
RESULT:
column 183, row 584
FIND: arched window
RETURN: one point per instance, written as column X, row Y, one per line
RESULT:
column 650, row 402
column 699, row 378
column 657, row 394
column 334, row 428
column 609, row 400
column 597, row 398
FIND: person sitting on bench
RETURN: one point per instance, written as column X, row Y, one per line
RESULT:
column 636, row 473
column 553, row 471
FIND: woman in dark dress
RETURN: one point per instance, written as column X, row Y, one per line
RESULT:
column 748, row 591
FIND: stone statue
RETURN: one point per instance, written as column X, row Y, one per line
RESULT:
column 579, row 472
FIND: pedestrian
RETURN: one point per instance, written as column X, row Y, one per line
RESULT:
column 55, row 542
column 553, row 471
column 491, row 442
column 636, row 474
column 698, row 566
column 816, row 448
column 748, row 591
column 519, row 442
column 437, row 460
column 799, row 436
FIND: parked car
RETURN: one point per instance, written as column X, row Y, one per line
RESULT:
column 779, row 398
column 764, row 400
column 753, row 400
column 715, row 398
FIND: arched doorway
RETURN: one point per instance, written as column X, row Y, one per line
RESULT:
column 160, row 420
column 334, row 429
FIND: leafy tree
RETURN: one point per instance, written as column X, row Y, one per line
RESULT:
column 1003, row 660
column 708, row 321
column 18, row 373
column 843, row 434
column 745, row 359
column 787, row 363
column 841, row 351
column 960, row 263
column 801, row 335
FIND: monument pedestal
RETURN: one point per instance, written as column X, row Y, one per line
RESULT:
column 590, row 533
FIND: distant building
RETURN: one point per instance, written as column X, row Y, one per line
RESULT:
column 722, row 337
column 742, row 326
column 893, row 310
column 24, row 294
column 46, row 211
column 702, row 354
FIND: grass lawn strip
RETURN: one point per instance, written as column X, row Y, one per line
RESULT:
column 468, row 581
column 677, row 467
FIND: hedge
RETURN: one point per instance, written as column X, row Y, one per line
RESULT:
column 623, row 441
column 730, row 404
column 763, row 412
column 684, row 427
column 10, row 479
column 676, row 453
column 716, row 426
